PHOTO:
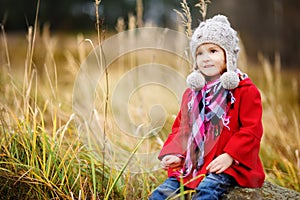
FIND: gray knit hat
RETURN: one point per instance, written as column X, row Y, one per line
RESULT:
column 216, row 30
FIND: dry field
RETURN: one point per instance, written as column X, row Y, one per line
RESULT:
column 43, row 155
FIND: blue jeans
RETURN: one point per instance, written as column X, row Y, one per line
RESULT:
column 212, row 187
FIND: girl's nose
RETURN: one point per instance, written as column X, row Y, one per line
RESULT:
column 205, row 57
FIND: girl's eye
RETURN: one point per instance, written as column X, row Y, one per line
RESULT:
column 213, row 51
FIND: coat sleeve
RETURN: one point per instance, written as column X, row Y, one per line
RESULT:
column 177, row 139
column 244, row 144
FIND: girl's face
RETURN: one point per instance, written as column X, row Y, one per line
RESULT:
column 210, row 60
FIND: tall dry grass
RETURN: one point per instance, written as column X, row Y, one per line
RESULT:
column 42, row 155
column 281, row 141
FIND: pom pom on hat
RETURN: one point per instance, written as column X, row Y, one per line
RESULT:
column 216, row 30
column 229, row 80
column 195, row 80
column 221, row 18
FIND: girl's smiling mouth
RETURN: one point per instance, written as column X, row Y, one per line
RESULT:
column 208, row 66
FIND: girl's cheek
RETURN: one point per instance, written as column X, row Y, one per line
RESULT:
column 198, row 61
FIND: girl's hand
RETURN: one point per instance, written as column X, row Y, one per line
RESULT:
column 220, row 163
column 171, row 161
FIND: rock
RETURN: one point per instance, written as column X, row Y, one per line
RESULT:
column 269, row 191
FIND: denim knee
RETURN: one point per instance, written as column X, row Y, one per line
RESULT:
column 167, row 189
column 213, row 186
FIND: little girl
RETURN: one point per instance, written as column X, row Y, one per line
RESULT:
column 215, row 139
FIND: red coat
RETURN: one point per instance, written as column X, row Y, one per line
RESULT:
column 241, row 141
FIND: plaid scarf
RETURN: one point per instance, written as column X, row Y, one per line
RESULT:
column 207, row 112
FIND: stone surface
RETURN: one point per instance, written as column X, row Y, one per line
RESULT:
column 269, row 191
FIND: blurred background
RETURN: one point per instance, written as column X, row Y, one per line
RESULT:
column 40, row 60
column 267, row 26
